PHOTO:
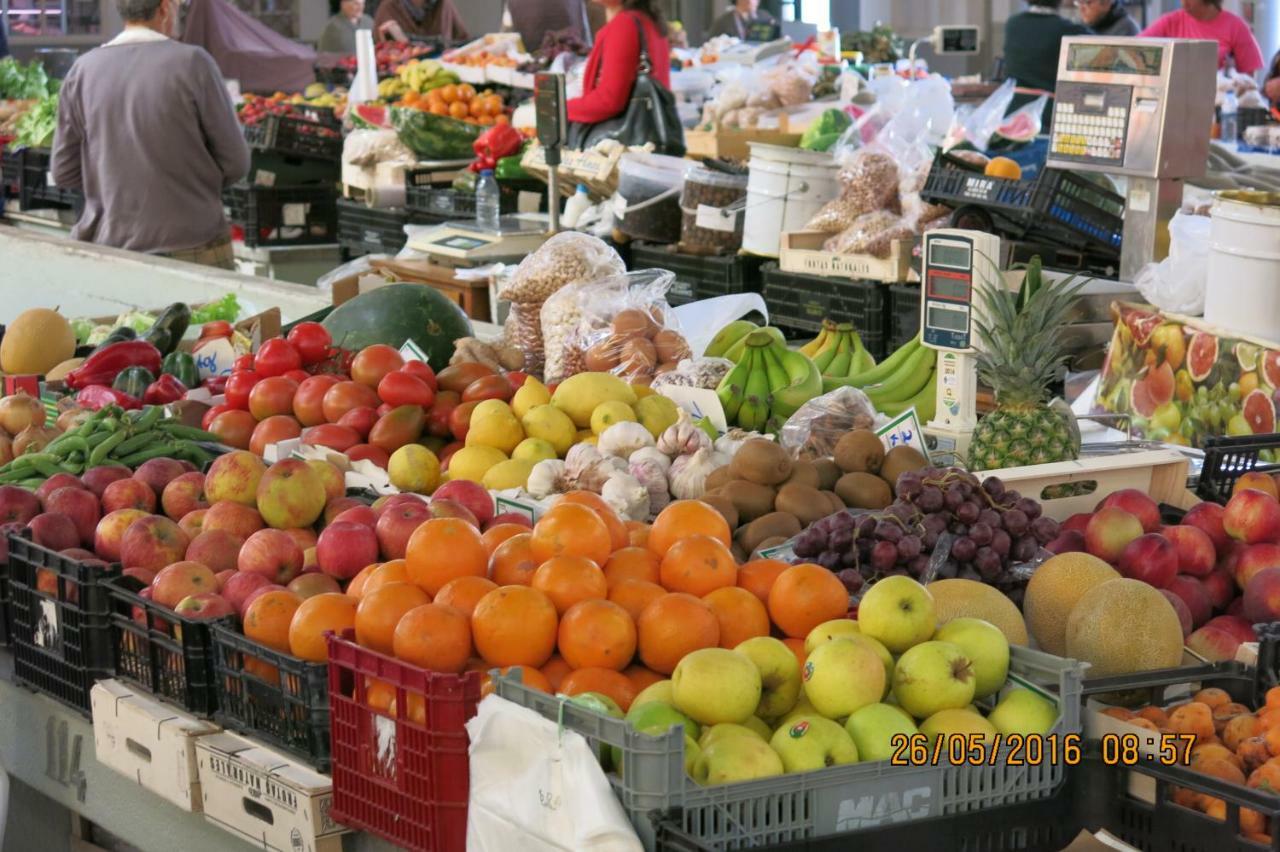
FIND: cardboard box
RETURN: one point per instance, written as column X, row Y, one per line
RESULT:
column 802, row 252
column 148, row 741
column 471, row 296
column 733, row 143
column 272, row 802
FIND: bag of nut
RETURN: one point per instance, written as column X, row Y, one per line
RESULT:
column 869, row 182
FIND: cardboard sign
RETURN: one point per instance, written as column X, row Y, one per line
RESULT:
column 413, row 352
column 904, row 431
column 503, row 505
column 699, row 402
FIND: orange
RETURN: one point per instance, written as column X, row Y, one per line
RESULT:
column 554, row 671
column 458, row 109
column 434, row 637
column 569, row 579
column 631, row 563
column 269, row 617
column 512, row 563
column 804, row 596
column 641, row 677
column 797, row 648
column 379, row 612
column 329, row 611
column 1266, row 777
column 495, row 104
column 466, row 92
column 394, row 571
column 1196, row 718
column 448, row 94
column 380, row 696
column 356, row 587
column 442, row 549
column 438, row 108
column 758, row 576
column 635, row 595
column 698, row 565
column 1213, row 696
column 530, row 677
column 597, row 634
column 673, row 626
column 618, row 536
column 740, row 613
column 684, row 518
column 1238, row 730
column 604, row 681
column 1003, row 167
column 514, row 625
column 417, row 708
column 637, row 531
column 571, row 529
column 502, row 119
column 1273, row 697
column 1155, row 716
column 477, row 108
column 464, row 593
column 499, row 533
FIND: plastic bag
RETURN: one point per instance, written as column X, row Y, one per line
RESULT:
column 873, row 234
column 1177, row 283
column 1024, row 123
column 869, row 182
column 695, row 373
column 567, row 258
column 362, row 265
column 367, row 148
column 987, row 117
column 813, row 431
column 523, row 330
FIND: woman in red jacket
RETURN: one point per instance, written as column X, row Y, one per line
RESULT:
column 612, row 66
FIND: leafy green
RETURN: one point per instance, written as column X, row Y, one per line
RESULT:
column 98, row 334
column 24, row 82
column 139, row 321
column 226, row 309
column 37, row 125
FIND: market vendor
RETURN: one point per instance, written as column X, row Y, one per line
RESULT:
column 1032, row 40
column 1107, row 17
column 613, row 65
column 747, row 21
column 147, row 133
column 533, row 19
column 1206, row 19
column 401, row 20
column 339, row 35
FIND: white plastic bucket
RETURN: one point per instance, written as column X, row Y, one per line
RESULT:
column 1243, row 291
column 785, row 188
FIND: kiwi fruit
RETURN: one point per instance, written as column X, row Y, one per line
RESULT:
column 739, row 554
column 859, row 451
column 724, row 506
column 837, row 504
column 829, row 473
column 719, row 476
column 773, row 541
column 761, row 461
column 771, row 525
column 864, row 491
column 804, row 473
column 803, row 501
column 750, row 499
column 898, row 461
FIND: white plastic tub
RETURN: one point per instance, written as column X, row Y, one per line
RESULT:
column 1243, row 290
column 785, row 188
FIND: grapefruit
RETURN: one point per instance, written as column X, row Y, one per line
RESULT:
column 1202, row 354
column 1020, row 127
column 1271, row 369
column 1141, row 325
column 1260, row 412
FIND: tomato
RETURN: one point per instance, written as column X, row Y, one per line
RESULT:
column 460, row 419
column 440, row 412
column 363, row 452
column 447, row 453
column 238, row 387
column 276, row 357
column 234, row 428
column 272, row 396
column 457, row 377
column 344, row 396
column 298, row 376
column 516, row 379
column 308, row 401
column 312, row 341
column 212, row 413
column 273, row 430
column 217, row 328
column 384, row 408
column 401, row 425
column 331, row 435
column 490, row 387
column 400, row 388
column 244, row 362
column 360, row 419
column 374, row 362
column 421, row 370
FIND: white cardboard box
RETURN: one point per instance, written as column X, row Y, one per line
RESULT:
column 271, row 801
column 149, row 741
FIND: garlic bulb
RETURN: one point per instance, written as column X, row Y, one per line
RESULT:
column 546, row 478
column 580, row 458
column 654, row 478
column 623, row 439
column 683, row 437
column 651, row 454
column 626, row 496
column 689, row 474
column 730, row 441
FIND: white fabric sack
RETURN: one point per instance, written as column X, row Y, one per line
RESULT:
column 538, row 788
column 1177, row 283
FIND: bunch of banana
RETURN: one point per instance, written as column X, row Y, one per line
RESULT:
column 906, row 378
column 769, row 382
column 423, row 75
column 838, row 351
column 391, row 88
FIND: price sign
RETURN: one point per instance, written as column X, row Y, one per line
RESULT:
column 904, row 431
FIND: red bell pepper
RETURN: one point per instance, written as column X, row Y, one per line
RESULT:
column 102, row 367
column 501, row 140
column 94, row 397
column 215, row 384
column 164, row 390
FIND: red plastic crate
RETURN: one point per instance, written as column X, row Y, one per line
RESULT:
column 406, row 780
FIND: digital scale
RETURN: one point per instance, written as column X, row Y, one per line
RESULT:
column 949, row 40
column 468, row 243
column 751, row 52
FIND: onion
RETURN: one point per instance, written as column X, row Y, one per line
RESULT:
column 6, row 449
column 71, row 418
column 33, row 439
column 19, row 411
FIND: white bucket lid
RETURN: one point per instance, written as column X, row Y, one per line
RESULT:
column 795, row 156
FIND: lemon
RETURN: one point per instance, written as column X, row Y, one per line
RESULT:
column 656, row 413
column 490, row 407
column 501, row 431
column 586, row 436
column 474, row 462
column 534, row 450
column 579, row 395
column 609, row 413
column 551, row 425
column 530, row 395
column 512, row 473
column 642, row 391
column 414, row 468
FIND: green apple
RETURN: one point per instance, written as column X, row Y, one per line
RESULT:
column 606, row 706
column 812, row 742
column 828, row 630
column 657, row 691
column 883, row 653
column 962, row 722
column 736, row 759
column 803, row 708
column 755, row 723
column 984, row 644
column 899, row 612
column 779, row 675
column 933, row 676
column 1024, row 712
column 713, row 685
column 691, row 752
column 727, row 729
column 842, row 675
column 873, row 728
column 656, row 718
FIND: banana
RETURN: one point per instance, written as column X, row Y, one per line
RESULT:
column 862, row 360
column 906, row 381
column 754, row 414
column 773, row 368
column 733, row 388
column 877, row 374
column 729, row 335
column 925, row 402
column 758, row 376
column 827, row 353
column 804, row 382
column 839, row 365
column 814, row 346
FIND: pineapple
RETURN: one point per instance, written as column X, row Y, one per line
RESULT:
column 1021, row 352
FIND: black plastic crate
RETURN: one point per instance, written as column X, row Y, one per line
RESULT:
column 375, row 230
column 6, row 619
column 1226, row 459
column 283, row 215
column 35, row 192
column 275, row 697
column 10, row 172
column 424, row 196
column 700, row 276
column 799, row 303
column 156, row 648
column 904, row 314
column 314, row 134
column 61, row 624
column 271, row 168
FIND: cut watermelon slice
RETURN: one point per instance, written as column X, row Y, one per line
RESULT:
column 1019, row 127
column 370, row 116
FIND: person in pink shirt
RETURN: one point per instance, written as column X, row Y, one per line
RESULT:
column 1206, row 19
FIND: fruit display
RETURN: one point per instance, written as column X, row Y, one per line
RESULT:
column 838, row 351
column 768, row 383
column 417, row 76
column 462, row 102
column 390, row 56
column 906, row 379
column 255, row 109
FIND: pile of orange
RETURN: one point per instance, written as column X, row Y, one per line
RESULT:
column 460, row 101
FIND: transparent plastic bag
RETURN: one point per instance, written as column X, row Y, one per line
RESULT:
column 567, row 258
column 1025, row 122
column 703, row 373
column 987, row 117
column 869, row 182
column 813, row 431
column 523, row 330
column 873, row 234
column 1177, row 283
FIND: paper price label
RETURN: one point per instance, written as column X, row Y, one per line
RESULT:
column 505, row 505
column 295, row 215
column 717, row 218
column 413, row 352
column 904, row 431
column 699, row 402
column 619, row 206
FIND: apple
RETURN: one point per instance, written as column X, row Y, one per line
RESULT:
column 1150, row 558
column 258, row 592
column 344, row 549
column 1257, row 480
column 474, row 496
column 290, row 494
column 453, row 509
column 396, row 525
column 1077, row 522
column 177, row 581
column 217, row 549
column 1067, row 541
column 80, row 506
column 957, row 722
column 828, row 630
column 1252, row 558
column 310, row 561
column 1195, row 596
column 17, row 504
column 143, row 575
column 656, row 718
column 842, row 675
column 128, row 494
column 713, row 685
column 1196, row 554
column 872, row 729
column 1235, row 625
column 234, row 477
column 1252, row 517
column 153, row 542
column 1109, row 532
column 779, row 675
column 336, row 507
column 309, row 585
column 96, row 479
column 108, row 534
column 736, row 759
column 1181, row 610
column 192, row 523
column 1024, row 712
column 933, row 676
column 272, row 553
column 159, row 472
column 334, row 481
column 812, row 742
column 727, row 730
column 54, row 531
column 53, row 483
column 390, row 501
column 185, row 493
column 238, row 587
column 1221, row 588
column 236, row 518
column 221, row 577
column 1136, row 503
column 204, row 607
column 1214, row 644
column 898, row 612
column 304, row 537
column 657, row 691
column 1262, row 596
column 358, row 515
column 986, row 647
column 510, row 518
column 1207, row 517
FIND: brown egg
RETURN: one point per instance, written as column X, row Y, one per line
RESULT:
column 632, row 323
column 639, row 353
column 670, row 345
column 665, row 367
column 602, row 357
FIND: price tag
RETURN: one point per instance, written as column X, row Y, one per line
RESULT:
column 784, row 552
column 699, row 402
column 294, row 215
column 504, row 505
column 904, row 431
column 413, row 352
column 717, row 218
column 262, row 177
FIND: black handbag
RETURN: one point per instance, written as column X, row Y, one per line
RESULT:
column 650, row 117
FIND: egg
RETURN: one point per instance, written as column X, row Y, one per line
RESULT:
column 639, row 354
column 632, row 323
column 670, row 345
column 602, row 357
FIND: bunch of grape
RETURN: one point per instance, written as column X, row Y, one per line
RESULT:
column 986, row 528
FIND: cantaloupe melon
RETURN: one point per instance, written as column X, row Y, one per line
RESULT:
column 1124, row 626
column 1053, row 591
column 37, row 341
column 971, row 599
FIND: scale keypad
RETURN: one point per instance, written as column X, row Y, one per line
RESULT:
column 1090, row 122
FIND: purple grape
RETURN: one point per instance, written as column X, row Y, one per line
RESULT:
column 1029, row 507
column 910, row 484
column 888, row 531
column 1024, row 548
column 968, row 512
column 981, row 534
column 904, row 512
column 811, row 542
column 953, row 497
column 866, row 526
column 1016, row 522
column 1001, row 542
column 988, row 563
column 929, row 541
column 909, row 547
column 918, row 565
column 841, row 540
column 935, row 523
column 852, row 580
column 843, row 521
column 930, row 499
column 849, row 559
column 1044, row 529
column 959, row 529
column 994, row 487
column 991, row 518
column 884, row 555
column 963, row 549
column 829, row 560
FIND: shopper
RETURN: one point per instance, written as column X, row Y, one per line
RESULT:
column 612, row 66
column 401, row 20
column 1206, row 19
column 1107, row 17
column 533, row 19
column 1032, row 40
column 339, row 34
column 747, row 21
column 147, row 133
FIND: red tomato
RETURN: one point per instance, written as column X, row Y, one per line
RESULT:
column 360, row 419
column 244, row 362
column 438, row 417
column 238, row 387
column 312, row 341
column 234, row 428
column 374, row 362
column 421, row 370
column 460, row 419
column 308, row 401
column 276, row 357
column 272, row 396
column 216, row 328
column 384, row 408
column 369, row 452
column 298, row 376
column 212, row 413
column 516, row 379
column 447, row 453
column 344, row 396
column 490, row 387
column 273, row 430
column 331, row 435
column 400, row 388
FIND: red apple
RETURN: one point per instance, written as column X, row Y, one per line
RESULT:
column 222, row 577
column 110, row 531
column 96, row 479
column 5, row 530
column 1235, row 608
column 1252, row 517
column 54, row 531
column 1136, row 503
column 1213, row 644
column 1221, row 587
column 1253, row 558
column 192, row 523
column 290, row 494
column 80, row 506
column 310, row 561
column 53, row 483
column 218, row 549
column 396, row 526
column 1236, row 625
column 453, row 509
column 1180, row 607
column 357, row 515
column 523, row 520
column 273, row 554
column 1196, row 554
column 333, row 479
column 1078, row 521
column 387, row 501
column 185, row 493
column 1068, row 541
column 474, row 496
column 159, row 472
column 334, row 508
column 128, row 494
column 1262, row 596
column 17, row 504
column 239, row 586
column 176, row 581
column 234, row 476
column 304, row 537
column 143, row 575
column 309, row 585
column 235, row 518
column 1109, row 532
column 154, row 542
column 204, row 607
column 1195, row 596
column 1208, row 518
column 345, row 548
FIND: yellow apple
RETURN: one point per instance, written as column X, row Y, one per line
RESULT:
column 713, row 685
column 829, row 630
column 736, row 759
column 842, row 675
column 779, row 675
column 812, row 742
column 899, row 612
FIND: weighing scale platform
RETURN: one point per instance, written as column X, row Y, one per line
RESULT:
column 472, row 244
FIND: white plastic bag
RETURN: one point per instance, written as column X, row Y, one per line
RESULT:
column 1177, row 283
column 537, row 788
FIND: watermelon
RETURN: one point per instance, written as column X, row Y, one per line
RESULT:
column 396, row 313
column 369, row 116
column 435, row 137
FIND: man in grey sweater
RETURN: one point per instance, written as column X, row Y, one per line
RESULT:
column 147, row 132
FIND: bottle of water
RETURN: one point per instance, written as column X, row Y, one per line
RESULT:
column 487, row 205
column 1230, row 127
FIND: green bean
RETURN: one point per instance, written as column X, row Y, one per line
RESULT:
column 30, row 484
column 100, row 452
column 150, row 417
column 131, row 445
column 190, row 433
column 154, row 452
column 65, row 448
column 50, row 468
column 98, row 437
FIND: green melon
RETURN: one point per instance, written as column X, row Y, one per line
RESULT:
column 399, row 312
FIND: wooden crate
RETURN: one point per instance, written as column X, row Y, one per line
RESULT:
column 597, row 170
column 733, row 143
column 802, row 252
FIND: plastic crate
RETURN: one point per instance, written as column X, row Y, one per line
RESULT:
column 1247, row 117
column 425, row 196
column 61, row 625
column 375, row 230
column 1227, row 458
column 275, row 697
column 812, row 804
column 335, row 75
column 799, row 303
column 414, row 791
column 904, row 314
column 699, row 276
column 159, row 650
column 6, row 618
column 283, row 215
column 315, row 134
column 35, row 192
column 10, row 172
